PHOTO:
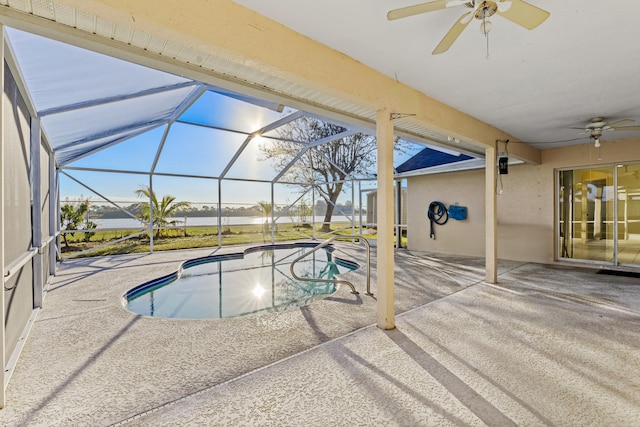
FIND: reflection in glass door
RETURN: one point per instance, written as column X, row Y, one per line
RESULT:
column 599, row 214
column 587, row 214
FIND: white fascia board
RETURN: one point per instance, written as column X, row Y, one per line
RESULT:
column 449, row 167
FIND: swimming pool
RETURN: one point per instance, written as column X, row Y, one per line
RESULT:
column 252, row 282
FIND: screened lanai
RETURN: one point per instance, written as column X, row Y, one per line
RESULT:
column 114, row 127
column 79, row 125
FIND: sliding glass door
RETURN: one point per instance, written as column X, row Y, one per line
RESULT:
column 599, row 214
column 628, row 214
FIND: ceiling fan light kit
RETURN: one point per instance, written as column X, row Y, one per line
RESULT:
column 485, row 27
column 598, row 125
column 520, row 12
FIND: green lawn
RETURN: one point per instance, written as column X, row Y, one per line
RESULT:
column 194, row 238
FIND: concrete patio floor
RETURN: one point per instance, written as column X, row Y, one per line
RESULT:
column 548, row 345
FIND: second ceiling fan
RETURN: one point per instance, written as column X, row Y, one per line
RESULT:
column 518, row 11
column 598, row 125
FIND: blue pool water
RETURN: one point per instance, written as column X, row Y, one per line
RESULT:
column 254, row 282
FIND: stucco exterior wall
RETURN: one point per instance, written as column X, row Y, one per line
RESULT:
column 460, row 237
column 526, row 209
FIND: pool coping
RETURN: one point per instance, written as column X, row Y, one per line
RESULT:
column 167, row 279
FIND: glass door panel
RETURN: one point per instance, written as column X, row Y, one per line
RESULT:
column 628, row 214
column 586, row 214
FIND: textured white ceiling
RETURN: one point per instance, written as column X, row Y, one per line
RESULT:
column 583, row 62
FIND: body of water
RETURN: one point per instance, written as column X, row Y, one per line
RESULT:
column 124, row 223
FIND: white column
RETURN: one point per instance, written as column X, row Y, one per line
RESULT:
column 2, row 323
column 273, row 209
column 53, row 213
column 313, row 211
column 58, row 207
column 353, row 206
column 584, row 207
column 360, row 206
column 36, row 211
column 219, row 213
column 150, row 226
column 491, row 216
column 385, row 262
column 398, row 214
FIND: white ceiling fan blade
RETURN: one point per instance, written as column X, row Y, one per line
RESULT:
column 453, row 34
column 627, row 128
column 584, row 131
column 621, row 123
column 504, row 5
column 416, row 9
column 525, row 14
column 454, row 3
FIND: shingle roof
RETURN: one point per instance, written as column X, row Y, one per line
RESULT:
column 429, row 158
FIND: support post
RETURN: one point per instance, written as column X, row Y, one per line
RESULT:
column 219, row 212
column 36, row 211
column 385, row 262
column 273, row 209
column 313, row 211
column 53, row 213
column 398, row 214
column 360, row 205
column 584, row 211
column 58, row 226
column 353, row 206
column 3, row 357
column 150, row 213
column 616, row 204
column 491, row 218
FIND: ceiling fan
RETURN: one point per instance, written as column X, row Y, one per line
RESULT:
column 518, row 11
column 598, row 125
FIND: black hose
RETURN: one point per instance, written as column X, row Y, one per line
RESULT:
column 438, row 214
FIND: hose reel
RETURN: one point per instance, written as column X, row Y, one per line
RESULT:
column 437, row 214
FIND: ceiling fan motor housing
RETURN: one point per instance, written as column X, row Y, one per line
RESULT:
column 486, row 9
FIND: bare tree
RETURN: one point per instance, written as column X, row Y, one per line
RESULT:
column 327, row 164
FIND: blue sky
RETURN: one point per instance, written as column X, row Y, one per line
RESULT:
column 193, row 150
column 87, row 99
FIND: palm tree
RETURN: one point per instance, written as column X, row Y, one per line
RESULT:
column 265, row 208
column 163, row 210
